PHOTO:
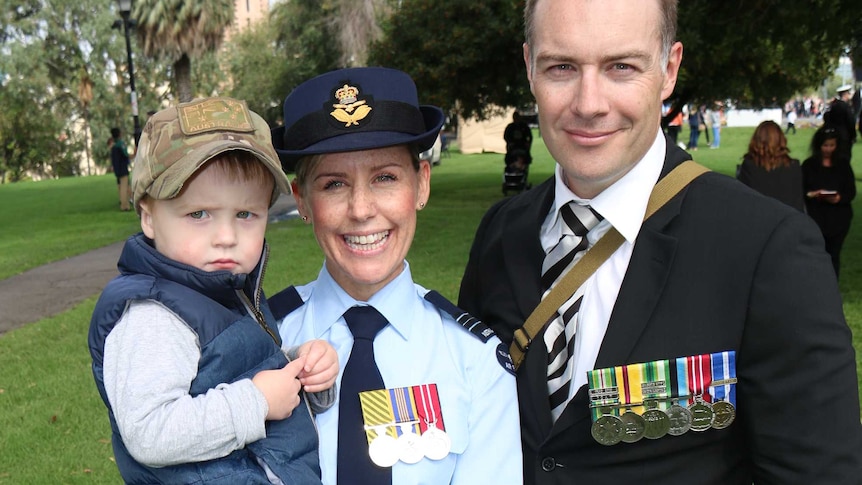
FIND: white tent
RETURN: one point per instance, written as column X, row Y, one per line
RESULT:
column 476, row 136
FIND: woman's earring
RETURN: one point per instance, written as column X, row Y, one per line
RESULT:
column 304, row 218
column 421, row 205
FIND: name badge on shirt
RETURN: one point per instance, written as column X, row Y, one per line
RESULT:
column 405, row 424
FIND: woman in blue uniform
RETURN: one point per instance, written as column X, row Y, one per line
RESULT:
column 440, row 406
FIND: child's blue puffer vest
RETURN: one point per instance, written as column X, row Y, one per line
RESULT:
column 234, row 346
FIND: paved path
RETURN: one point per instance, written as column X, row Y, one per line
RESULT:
column 56, row 287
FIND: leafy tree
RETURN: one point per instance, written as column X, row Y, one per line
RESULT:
column 466, row 55
column 760, row 53
column 48, row 52
column 272, row 57
column 29, row 129
column 179, row 30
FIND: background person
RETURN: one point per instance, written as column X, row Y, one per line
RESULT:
column 841, row 117
column 674, row 128
column 353, row 136
column 120, row 166
column 791, row 121
column 719, row 268
column 519, row 140
column 185, row 351
column 714, row 115
column 694, row 124
column 767, row 167
column 830, row 187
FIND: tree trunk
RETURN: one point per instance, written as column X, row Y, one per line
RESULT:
column 183, row 78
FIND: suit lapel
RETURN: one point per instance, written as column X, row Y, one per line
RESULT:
column 522, row 257
column 522, row 248
column 533, row 392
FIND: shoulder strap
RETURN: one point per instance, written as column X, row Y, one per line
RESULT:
column 284, row 302
column 663, row 191
column 469, row 322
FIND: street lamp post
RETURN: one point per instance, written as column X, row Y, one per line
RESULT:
column 125, row 13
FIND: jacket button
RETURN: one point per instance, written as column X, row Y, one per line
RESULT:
column 548, row 464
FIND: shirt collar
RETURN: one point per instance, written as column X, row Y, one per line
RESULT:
column 623, row 204
column 396, row 301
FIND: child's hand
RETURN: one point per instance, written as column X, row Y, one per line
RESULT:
column 321, row 365
column 281, row 388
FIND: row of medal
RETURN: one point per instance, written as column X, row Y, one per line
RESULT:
column 404, row 424
column 667, row 397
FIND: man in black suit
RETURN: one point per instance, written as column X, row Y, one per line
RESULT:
column 719, row 268
column 842, row 116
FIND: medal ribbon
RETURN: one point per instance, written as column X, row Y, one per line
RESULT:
column 603, row 392
column 377, row 411
column 724, row 370
column 428, row 407
column 657, row 382
column 678, row 370
column 634, row 386
column 700, row 375
column 404, row 408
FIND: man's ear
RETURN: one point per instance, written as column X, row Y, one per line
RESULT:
column 528, row 63
column 674, row 62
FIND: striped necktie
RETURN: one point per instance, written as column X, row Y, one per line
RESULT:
column 360, row 374
column 559, row 337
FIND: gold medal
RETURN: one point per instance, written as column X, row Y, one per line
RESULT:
column 724, row 412
column 702, row 415
column 608, row 430
column 723, row 388
column 657, row 422
column 633, row 426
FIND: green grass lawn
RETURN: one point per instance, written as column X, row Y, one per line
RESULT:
column 54, row 426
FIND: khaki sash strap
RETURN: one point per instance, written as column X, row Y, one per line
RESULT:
column 663, row 191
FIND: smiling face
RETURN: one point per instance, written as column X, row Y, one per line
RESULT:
column 217, row 222
column 597, row 72
column 363, row 207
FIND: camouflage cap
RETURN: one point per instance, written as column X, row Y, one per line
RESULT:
column 177, row 141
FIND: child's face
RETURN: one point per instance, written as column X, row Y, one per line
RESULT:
column 214, row 224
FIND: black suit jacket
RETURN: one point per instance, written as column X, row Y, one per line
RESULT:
column 719, row 267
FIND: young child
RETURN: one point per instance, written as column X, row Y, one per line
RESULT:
column 186, row 353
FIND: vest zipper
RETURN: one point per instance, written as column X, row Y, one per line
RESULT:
column 254, row 307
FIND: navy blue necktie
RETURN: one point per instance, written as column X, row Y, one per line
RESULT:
column 360, row 374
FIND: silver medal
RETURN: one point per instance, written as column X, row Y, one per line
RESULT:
column 383, row 450
column 436, row 443
column 410, row 449
column 680, row 419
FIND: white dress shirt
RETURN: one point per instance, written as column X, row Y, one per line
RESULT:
column 622, row 205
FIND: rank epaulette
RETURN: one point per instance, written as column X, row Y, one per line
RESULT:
column 474, row 326
column 284, row 302
column 469, row 322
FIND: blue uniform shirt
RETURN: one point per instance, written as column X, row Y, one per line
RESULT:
column 422, row 345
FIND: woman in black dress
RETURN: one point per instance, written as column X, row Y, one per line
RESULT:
column 830, row 186
column 768, row 168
